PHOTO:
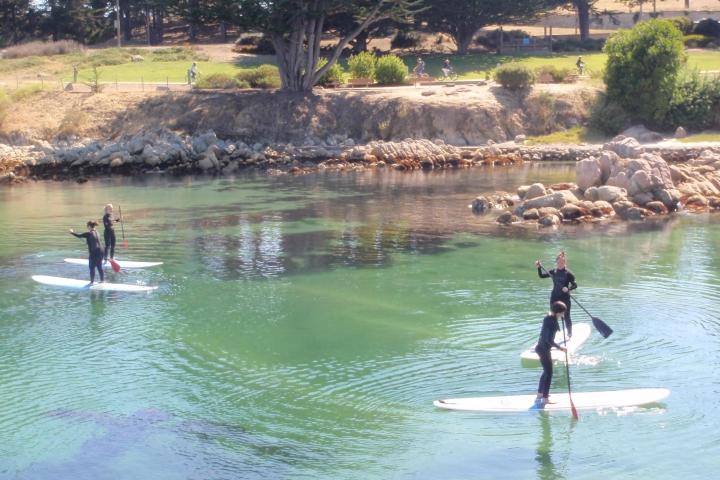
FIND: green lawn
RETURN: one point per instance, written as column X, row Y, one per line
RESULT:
column 702, row 137
column 572, row 136
column 162, row 65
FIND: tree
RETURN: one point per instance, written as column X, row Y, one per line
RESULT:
column 642, row 68
column 17, row 20
column 461, row 19
column 296, row 27
column 583, row 8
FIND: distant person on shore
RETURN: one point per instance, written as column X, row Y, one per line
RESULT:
column 563, row 281
column 580, row 66
column 192, row 73
column 95, row 251
column 109, row 232
column 447, row 68
column 419, row 69
column 545, row 343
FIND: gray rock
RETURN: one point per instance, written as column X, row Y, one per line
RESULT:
column 588, row 173
column 556, row 200
column 482, row 205
column 611, row 194
column 656, row 207
column 520, row 139
column 507, row 218
column 642, row 134
column 522, row 191
column 549, row 221
column 680, row 133
column 601, row 208
column 635, row 213
column 534, row 191
column 571, row 212
column 546, row 211
column 669, row 197
column 625, row 147
column 622, row 206
column 591, row 194
column 203, row 141
column 208, row 162
column 532, row 214
column 643, row 198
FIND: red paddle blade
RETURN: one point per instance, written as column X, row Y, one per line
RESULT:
column 114, row 265
column 125, row 243
column 574, row 412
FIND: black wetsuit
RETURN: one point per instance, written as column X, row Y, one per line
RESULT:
column 95, row 253
column 109, row 235
column 545, row 343
column 561, row 278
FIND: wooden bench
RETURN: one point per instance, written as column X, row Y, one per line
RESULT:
column 360, row 82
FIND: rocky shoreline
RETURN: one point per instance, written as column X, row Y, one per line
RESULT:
column 622, row 179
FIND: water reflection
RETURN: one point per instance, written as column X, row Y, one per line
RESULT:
column 546, row 468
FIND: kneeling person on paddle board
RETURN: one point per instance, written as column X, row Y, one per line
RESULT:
column 563, row 281
column 109, row 232
column 545, row 343
column 95, row 250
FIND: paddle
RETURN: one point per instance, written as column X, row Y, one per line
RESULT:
column 122, row 228
column 602, row 327
column 114, row 265
column 567, row 371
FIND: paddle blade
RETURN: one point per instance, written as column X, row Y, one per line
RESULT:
column 574, row 411
column 114, row 265
column 125, row 243
column 602, row 327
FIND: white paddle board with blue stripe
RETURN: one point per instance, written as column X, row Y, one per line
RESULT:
column 122, row 263
column 84, row 284
column 581, row 332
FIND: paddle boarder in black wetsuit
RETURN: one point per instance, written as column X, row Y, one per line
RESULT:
column 563, row 281
column 109, row 232
column 95, row 250
column 545, row 343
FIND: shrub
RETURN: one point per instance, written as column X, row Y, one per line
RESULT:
column 708, row 27
column 514, row 76
column 694, row 103
column 362, row 65
column 217, row 81
column 25, row 92
column 334, row 75
column 390, row 69
column 642, row 67
column 684, row 24
column 491, row 40
column 177, row 54
column 697, row 41
column 403, row 39
column 72, row 122
column 608, row 117
column 573, row 45
column 265, row 76
column 554, row 73
column 39, row 49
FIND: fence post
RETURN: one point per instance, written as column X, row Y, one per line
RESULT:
column 116, row 83
column 167, row 83
column 142, row 83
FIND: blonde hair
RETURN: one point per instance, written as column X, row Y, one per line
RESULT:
column 108, row 207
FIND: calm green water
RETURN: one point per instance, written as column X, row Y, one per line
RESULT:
column 303, row 327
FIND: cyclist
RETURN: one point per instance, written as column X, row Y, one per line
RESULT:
column 580, row 66
column 447, row 69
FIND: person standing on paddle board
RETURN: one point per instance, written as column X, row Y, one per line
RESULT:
column 95, row 250
column 109, row 232
column 563, row 281
column 547, row 340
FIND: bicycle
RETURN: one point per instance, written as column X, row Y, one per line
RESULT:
column 449, row 74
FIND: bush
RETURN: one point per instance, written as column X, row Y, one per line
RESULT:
column 695, row 102
column 609, row 117
column 491, row 40
column 25, row 92
column 265, row 76
column 390, row 70
column 574, row 45
column 217, row 81
column 642, row 67
column 362, row 65
column 708, row 27
column 334, row 76
column 514, row 76
column 684, row 24
column 554, row 73
column 39, row 49
column 403, row 39
column 177, row 54
column 697, row 41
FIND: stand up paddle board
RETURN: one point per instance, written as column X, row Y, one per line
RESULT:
column 84, row 284
column 122, row 263
column 581, row 400
column 581, row 332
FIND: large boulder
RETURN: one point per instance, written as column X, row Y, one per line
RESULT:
column 611, row 194
column 588, row 173
column 549, row 221
column 642, row 134
column 625, row 147
column 556, row 200
column 573, row 212
column 534, row 191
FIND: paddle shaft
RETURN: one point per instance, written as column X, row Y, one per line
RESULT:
column 567, row 371
column 122, row 226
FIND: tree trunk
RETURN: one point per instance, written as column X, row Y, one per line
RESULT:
column 583, row 12
column 223, row 31
column 463, row 36
column 687, row 4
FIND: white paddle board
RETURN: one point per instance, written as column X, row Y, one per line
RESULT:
column 84, row 284
column 581, row 332
column 582, row 401
column 122, row 263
